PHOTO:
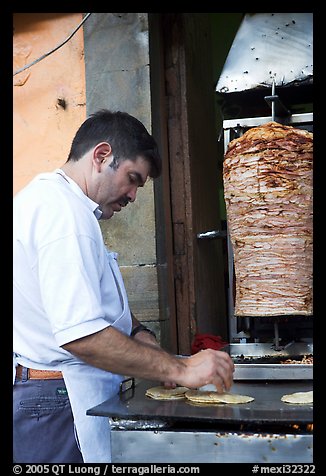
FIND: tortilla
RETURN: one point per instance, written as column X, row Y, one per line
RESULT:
column 200, row 396
column 164, row 393
column 299, row 398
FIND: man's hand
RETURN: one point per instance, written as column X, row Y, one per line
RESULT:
column 208, row 367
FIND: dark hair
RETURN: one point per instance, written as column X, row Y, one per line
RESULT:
column 126, row 135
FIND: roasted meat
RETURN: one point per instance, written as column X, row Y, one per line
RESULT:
column 268, row 184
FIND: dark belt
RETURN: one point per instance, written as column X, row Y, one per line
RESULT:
column 34, row 374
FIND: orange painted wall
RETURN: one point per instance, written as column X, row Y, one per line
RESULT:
column 42, row 128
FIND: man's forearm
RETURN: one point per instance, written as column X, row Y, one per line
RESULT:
column 113, row 351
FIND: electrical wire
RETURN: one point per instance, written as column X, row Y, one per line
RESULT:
column 54, row 49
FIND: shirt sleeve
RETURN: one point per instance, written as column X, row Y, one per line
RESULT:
column 70, row 271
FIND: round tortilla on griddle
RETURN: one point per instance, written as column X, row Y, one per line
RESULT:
column 200, row 396
column 299, row 398
column 163, row 393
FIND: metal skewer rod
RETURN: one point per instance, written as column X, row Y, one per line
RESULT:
column 273, row 101
column 276, row 334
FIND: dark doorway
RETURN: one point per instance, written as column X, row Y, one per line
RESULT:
column 185, row 114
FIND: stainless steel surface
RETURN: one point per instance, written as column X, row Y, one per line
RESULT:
column 262, row 349
column 247, row 122
column 117, row 423
column 209, row 447
column 251, row 361
column 267, row 408
column 269, row 47
column 273, row 372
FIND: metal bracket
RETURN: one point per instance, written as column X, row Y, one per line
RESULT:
column 127, row 389
column 278, row 108
column 210, row 235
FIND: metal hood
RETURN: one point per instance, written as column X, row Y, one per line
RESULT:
column 269, row 48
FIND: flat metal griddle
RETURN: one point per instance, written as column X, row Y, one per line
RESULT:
column 267, row 408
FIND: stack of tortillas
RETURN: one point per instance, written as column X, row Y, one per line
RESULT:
column 201, row 396
column 164, row 393
column 299, row 398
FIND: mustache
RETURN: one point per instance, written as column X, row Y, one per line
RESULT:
column 124, row 201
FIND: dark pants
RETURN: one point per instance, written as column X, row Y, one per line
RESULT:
column 43, row 427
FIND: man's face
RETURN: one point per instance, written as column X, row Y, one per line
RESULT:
column 117, row 187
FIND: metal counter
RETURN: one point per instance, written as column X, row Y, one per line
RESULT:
column 264, row 430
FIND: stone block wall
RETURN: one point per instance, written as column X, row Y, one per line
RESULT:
column 118, row 78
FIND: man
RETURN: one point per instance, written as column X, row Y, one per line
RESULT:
column 74, row 335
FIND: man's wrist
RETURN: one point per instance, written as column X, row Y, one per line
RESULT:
column 142, row 328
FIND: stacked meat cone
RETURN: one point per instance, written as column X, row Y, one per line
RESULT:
column 268, row 185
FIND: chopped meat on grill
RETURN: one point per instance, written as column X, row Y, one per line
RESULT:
column 306, row 359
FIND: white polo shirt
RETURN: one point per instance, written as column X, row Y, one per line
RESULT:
column 64, row 288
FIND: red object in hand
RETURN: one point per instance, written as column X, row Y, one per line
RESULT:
column 207, row 341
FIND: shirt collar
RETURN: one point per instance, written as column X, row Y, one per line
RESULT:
column 75, row 187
